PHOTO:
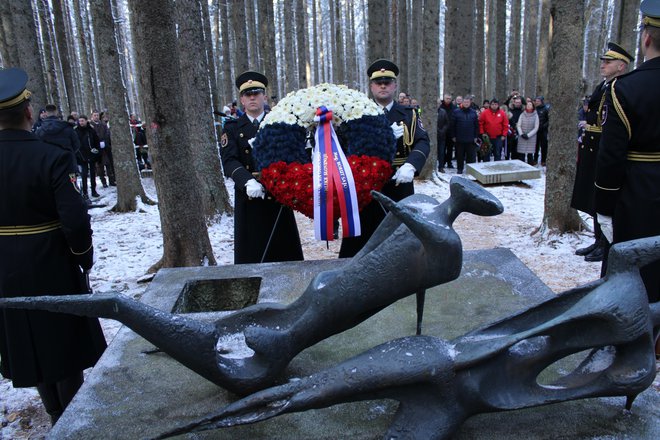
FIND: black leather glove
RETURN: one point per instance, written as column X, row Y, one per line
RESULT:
column 524, row 136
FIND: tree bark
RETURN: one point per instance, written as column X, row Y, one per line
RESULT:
column 459, row 50
column 352, row 71
column 628, row 36
column 338, row 58
column 531, row 46
column 84, row 62
column 25, row 32
column 402, row 48
column 227, row 77
column 377, row 44
column 289, row 47
column 567, row 22
column 239, row 38
column 251, row 31
column 483, row 55
column 544, row 47
column 302, row 43
column 267, row 42
column 210, row 55
column 420, row 58
column 8, row 45
column 198, row 105
column 185, row 238
column 431, row 79
column 500, row 49
column 513, row 60
column 47, row 53
column 129, row 186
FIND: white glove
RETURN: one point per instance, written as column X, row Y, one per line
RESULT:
column 102, row 144
column 605, row 223
column 404, row 174
column 397, row 130
column 254, row 189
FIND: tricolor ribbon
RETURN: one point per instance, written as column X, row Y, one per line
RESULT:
column 332, row 173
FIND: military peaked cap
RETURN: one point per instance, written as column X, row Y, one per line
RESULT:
column 651, row 11
column 12, row 87
column 251, row 82
column 616, row 52
column 383, row 69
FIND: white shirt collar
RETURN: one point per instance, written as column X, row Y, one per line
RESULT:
column 258, row 118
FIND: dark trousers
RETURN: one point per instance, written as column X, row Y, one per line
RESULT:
column 441, row 152
column 511, row 148
column 449, row 151
column 496, row 147
column 88, row 169
column 56, row 396
column 541, row 144
column 465, row 152
column 106, row 164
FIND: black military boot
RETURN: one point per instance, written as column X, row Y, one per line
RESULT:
column 587, row 250
column 598, row 253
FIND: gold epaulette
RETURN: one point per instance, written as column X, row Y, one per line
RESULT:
column 31, row 229
column 619, row 109
column 397, row 162
column 644, row 156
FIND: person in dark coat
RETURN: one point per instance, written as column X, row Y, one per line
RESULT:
column 442, row 128
column 56, row 131
column 613, row 64
column 106, row 163
column 465, row 132
column 542, row 135
column 264, row 230
column 90, row 154
column 628, row 164
column 448, row 106
column 45, row 247
column 412, row 149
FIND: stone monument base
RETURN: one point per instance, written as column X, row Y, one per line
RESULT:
column 502, row 171
column 132, row 395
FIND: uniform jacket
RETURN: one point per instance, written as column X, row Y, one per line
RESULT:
column 416, row 153
column 40, row 196
column 255, row 220
column 465, row 127
column 493, row 124
column 628, row 164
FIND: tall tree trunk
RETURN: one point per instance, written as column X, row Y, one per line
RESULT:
column 185, row 238
column 544, row 47
column 377, row 45
column 47, row 54
column 227, row 77
column 198, row 105
column 210, row 55
column 239, row 37
column 419, row 57
column 628, row 35
column 500, row 49
column 315, row 45
column 531, row 46
column 352, row 76
column 267, row 45
column 25, row 32
column 513, row 59
column 567, row 22
column 129, row 186
column 594, row 19
column 302, row 43
column 70, row 36
column 289, row 46
column 338, row 58
column 483, row 58
column 251, row 31
column 459, row 51
column 85, row 66
column 402, row 48
column 8, row 44
column 430, row 79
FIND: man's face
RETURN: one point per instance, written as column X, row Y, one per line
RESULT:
column 611, row 68
column 494, row 106
column 537, row 102
column 447, row 99
column 459, row 100
column 401, row 97
column 82, row 122
column 465, row 103
column 383, row 90
column 517, row 103
column 253, row 101
column 95, row 117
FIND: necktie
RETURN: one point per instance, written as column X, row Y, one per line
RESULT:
column 386, row 111
column 255, row 122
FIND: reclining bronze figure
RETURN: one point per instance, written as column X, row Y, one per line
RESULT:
column 441, row 383
column 414, row 248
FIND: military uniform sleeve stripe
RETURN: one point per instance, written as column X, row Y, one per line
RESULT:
column 606, row 189
column 620, row 111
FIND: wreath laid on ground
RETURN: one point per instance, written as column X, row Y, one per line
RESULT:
column 282, row 148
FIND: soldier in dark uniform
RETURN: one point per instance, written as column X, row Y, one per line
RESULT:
column 45, row 245
column 412, row 150
column 613, row 64
column 628, row 166
column 264, row 230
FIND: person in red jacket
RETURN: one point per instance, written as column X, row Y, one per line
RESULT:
column 494, row 124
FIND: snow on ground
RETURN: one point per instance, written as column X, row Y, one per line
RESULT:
column 126, row 245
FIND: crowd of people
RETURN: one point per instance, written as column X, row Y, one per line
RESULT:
column 467, row 133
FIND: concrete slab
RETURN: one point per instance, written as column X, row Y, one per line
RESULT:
column 131, row 395
column 502, row 171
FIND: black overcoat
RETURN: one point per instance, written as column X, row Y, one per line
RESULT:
column 256, row 221
column 628, row 165
column 43, row 220
column 584, row 191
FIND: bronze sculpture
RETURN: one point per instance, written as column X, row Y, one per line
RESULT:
column 441, row 383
